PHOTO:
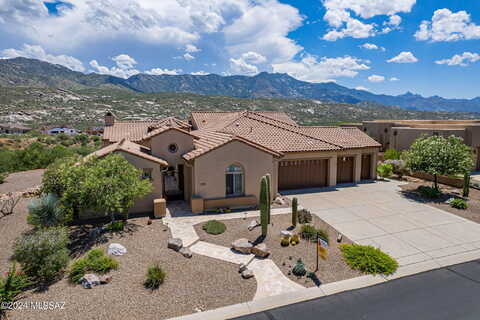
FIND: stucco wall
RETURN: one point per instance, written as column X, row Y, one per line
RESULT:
column 159, row 146
column 209, row 169
column 406, row 136
column 145, row 204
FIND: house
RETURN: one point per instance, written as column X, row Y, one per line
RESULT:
column 65, row 130
column 400, row 134
column 216, row 159
column 13, row 128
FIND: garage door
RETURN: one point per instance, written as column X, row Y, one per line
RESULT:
column 299, row 174
column 345, row 169
column 366, row 166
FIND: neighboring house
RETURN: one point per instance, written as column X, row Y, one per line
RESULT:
column 216, row 159
column 12, row 128
column 400, row 134
column 67, row 131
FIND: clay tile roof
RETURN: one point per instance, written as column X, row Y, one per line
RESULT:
column 170, row 122
column 364, row 139
column 163, row 129
column 346, row 137
column 131, row 130
column 129, row 147
column 214, row 120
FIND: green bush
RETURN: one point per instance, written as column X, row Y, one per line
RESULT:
column 43, row 254
column 155, row 277
column 385, row 170
column 81, row 138
column 304, row 216
column 299, row 268
column 459, row 204
column 214, row 227
column 392, row 154
column 3, row 177
column 47, row 212
column 429, row 192
column 368, row 259
column 94, row 261
column 116, row 226
column 309, row 232
column 12, row 285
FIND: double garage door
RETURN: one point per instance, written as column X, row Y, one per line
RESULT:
column 298, row 174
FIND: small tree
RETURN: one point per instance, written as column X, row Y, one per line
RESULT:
column 392, row 154
column 269, row 197
column 263, row 206
column 385, row 170
column 294, row 211
column 466, row 184
column 437, row 155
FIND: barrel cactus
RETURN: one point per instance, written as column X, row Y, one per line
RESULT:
column 299, row 268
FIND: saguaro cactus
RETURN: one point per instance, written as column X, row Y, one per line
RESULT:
column 294, row 211
column 269, row 197
column 466, row 184
column 263, row 206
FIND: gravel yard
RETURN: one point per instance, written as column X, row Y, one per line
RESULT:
column 20, row 181
column 333, row 269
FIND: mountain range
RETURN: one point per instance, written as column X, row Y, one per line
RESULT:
column 23, row 72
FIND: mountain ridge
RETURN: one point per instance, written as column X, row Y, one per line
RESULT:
column 24, row 72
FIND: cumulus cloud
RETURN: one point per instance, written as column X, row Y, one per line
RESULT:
column 190, row 48
column 37, row 52
column 159, row 71
column 200, row 73
column 462, row 60
column 393, row 79
column 246, row 63
column 124, row 68
column 371, row 46
column 448, row 26
column 403, row 57
column 376, row 78
column 361, row 88
column 187, row 56
column 339, row 18
column 312, row 69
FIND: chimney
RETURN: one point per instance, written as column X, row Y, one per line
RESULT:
column 109, row 119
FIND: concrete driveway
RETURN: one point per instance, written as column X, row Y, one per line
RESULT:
column 377, row 214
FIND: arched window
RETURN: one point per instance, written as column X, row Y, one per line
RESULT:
column 234, row 180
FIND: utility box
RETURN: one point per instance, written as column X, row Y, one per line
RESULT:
column 159, row 208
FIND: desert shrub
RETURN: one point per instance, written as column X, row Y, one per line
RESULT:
column 67, row 143
column 155, row 277
column 385, row 170
column 116, row 226
column 304, row 216
column 429, row 192
column 214, row 227
column 399, row 167
column 81, row 138
column 309, row 232
column 459, row 204
column 12, row 285
column 3, row 177
column 392, row 154
column 94, row 261
column 294, row 240
column 47, row 212
column 299, row 268
column 43, row 254
column 285, row 242
column 368, row 259
column 62, row 137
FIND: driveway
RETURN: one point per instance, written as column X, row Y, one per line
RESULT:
column 377, row 214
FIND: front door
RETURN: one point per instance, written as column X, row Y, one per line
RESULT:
column 173, row 183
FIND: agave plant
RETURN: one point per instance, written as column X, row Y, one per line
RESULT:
column 46, row 212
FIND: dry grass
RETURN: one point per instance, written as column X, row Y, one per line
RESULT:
column 331, row 270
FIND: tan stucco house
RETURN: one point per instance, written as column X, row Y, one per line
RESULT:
column 216, row 159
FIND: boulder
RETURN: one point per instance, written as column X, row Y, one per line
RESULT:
column 89, row 281
column 279, row 201
column 187, row 253
column 247, row 274
column 286, row 233
column 175, row 244
column 105, row 279
column 260, row 250
column 242, row 267
column 242, row 245
column 116, row 249
column 253, row 224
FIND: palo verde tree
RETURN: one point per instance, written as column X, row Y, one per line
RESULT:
column 437, row 155
column 264, row 206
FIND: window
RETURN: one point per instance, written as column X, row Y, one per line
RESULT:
column 173, row 148
column 147, row 173
column 234, row 180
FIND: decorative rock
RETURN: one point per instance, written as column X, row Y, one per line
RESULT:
column 105, row 279
column 187, row 253
column 242, row 267
column 242, row 245
column 116, row 249
column 247, row 274
column 260, row 250
column 89, row 281
column 279, row 201
column 175, row 244
column 253, row 224
column 286, row 233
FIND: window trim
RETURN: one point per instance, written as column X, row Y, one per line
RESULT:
column 235, row 175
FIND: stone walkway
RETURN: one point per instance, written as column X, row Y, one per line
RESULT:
column 270, row 280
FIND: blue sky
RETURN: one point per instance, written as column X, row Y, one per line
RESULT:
column 430, row 47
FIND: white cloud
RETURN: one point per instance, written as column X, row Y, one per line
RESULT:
column 376, row 78
column 200, row 73
column 338, row 16
column 124, row 67
column 37, row 52
column 448, row 26
column 190, row 48
column 311, row 69
column 159, row 71
column 245, row 64
column 187, row 56
column 393, row 79
column 371, row 46
column 403, row 57
column 463, row 59
column 361, row 88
